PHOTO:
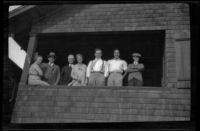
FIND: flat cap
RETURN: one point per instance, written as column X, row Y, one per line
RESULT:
column 136, row 54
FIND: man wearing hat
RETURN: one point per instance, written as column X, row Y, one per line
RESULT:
column 134, row 71
column 51, row 70
column 66, row 71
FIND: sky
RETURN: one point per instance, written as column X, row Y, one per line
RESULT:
column 15, row 53
column 13, row 7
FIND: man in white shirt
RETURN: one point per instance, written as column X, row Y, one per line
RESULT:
column 97, row 70
column 116, row 67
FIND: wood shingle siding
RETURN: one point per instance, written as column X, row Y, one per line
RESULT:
column 172, row 17
column 100, row 104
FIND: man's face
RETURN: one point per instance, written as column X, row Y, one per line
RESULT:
column 71, row 60
column 98, row 54
column 135, row 58
column 116, row 53
column 51, row 59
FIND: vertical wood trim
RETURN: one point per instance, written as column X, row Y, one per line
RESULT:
column 30, row 51
column 183, row 64
column 163, row 71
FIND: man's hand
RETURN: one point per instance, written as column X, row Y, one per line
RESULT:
column 86, row 81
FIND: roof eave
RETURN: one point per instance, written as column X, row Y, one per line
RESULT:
column 19, row 11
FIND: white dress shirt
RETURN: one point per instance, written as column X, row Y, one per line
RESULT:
column 97, row 65
column 51, row 64
column 135, row 63
column 117, row 65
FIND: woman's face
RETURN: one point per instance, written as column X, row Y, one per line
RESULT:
column 79, row 59
column 39, row 60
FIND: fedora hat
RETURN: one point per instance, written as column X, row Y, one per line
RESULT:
column 52, row 55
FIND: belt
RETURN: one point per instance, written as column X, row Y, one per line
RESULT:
column 33, row 75
column 97, row 72
column 116, row 72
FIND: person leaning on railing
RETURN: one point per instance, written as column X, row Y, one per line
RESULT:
column 35, row 73
column 135, row 71
column 116, row 67
column 66, row 78
column 78, row 73
column 97, row 70
column 51, row 70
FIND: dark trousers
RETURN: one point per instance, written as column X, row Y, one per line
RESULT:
column 135, row 82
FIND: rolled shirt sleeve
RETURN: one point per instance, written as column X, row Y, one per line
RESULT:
column 125, row 65
column 106, row 68
column 88, row 69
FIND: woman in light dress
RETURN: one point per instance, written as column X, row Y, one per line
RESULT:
column 35, row 73
column 78, row 72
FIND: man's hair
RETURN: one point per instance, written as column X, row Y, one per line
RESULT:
column 97, row 49
column 70, row 55
column 116, row 50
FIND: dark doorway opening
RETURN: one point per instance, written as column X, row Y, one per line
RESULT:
column 149, row 43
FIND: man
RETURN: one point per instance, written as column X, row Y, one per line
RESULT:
column 66, row 71
column 134, row 70
column 116, row 68
column 51, row 70
column 97, row 70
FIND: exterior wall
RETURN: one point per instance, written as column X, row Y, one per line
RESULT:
column 171, row 17
column 104, row 104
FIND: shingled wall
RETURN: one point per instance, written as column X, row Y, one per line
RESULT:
column 171, row 17
column 100, row 104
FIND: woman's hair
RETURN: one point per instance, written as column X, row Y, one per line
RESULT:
column 39, row 56
column 79, row 55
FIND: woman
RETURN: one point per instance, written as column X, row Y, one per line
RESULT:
column 35, row 73
column 78, row 72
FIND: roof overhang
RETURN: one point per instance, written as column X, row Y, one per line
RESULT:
column 21, row 20
column 20, row 10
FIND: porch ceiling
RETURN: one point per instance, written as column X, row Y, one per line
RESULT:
column 20, row 20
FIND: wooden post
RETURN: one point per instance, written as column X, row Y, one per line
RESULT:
column 163, row 84
column 30, row 51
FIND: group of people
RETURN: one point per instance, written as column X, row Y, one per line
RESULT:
column 98, row 72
